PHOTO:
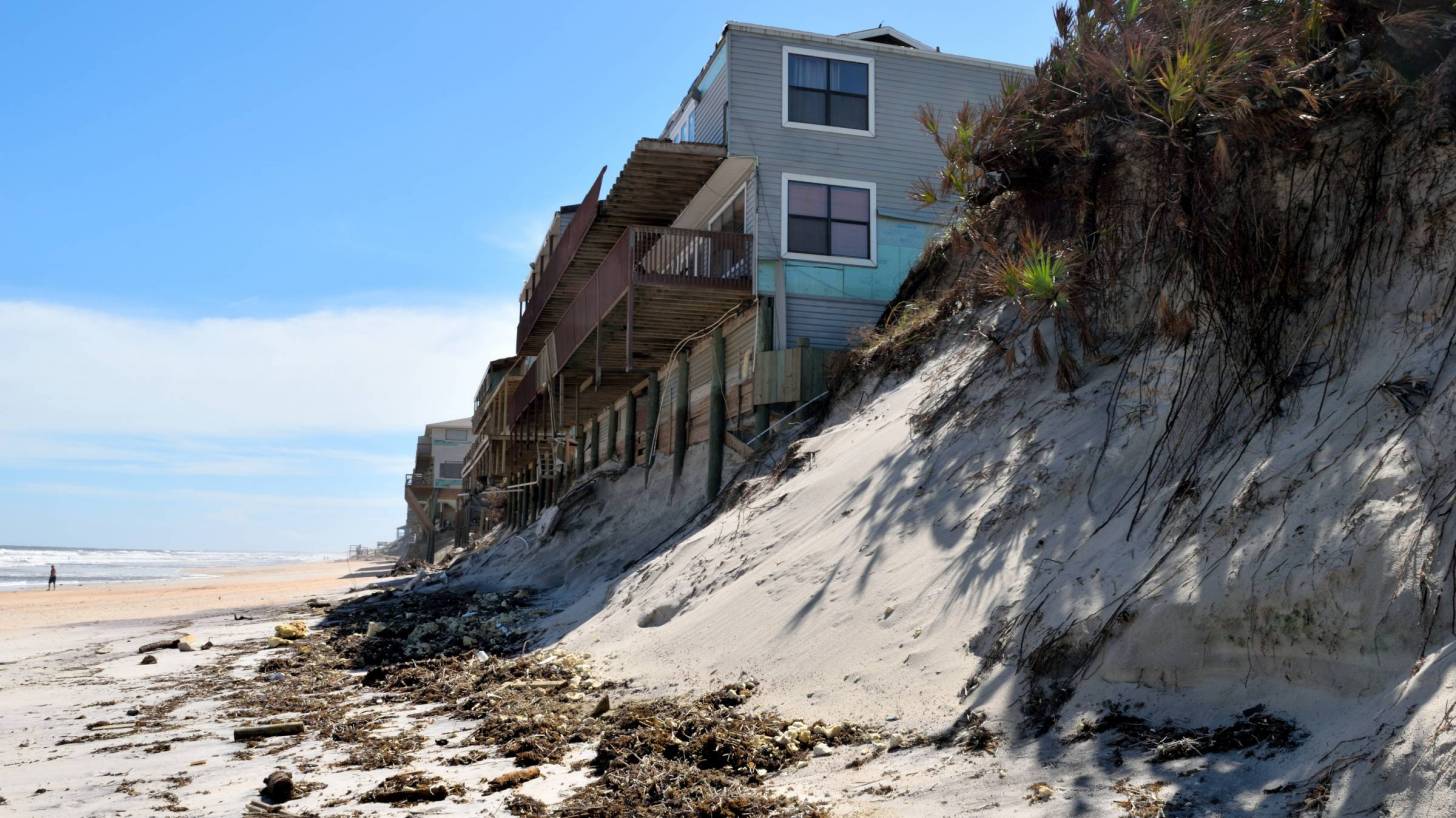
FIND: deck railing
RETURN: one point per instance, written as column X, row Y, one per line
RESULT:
column 660, row 256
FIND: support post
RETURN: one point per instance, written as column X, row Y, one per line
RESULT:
column 596, row 442
column 765, row 344
column 629, row 441
column 680, row 419
column 654, row 407
column 611, row 431
column 579, row 438
column 717, row 423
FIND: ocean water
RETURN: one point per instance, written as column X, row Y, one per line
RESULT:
column 23, row 566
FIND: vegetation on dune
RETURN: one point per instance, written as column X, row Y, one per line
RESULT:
column 1227, row 184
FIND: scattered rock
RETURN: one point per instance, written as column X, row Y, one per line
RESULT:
column 149, row 659
column 821, row 750
column 1039, row 792
column 207, row 645
column 133, row 712
column 297, row 629
column 278, row 642
column 373, row 630
column 602, row 707
column 317, row 603
column 278, row 786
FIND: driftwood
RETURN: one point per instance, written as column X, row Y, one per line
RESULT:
column 436, row 792
column 165, row 644
column 286, row 728
column 545, row 684
column 258, row 808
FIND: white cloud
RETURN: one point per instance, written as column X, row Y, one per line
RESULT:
column 354, row 371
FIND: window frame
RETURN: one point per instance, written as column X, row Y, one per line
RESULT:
column 830, row 55
column 687, row 120
column 741, row 190
column 854, row 261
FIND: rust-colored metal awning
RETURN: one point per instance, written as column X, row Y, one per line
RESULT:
column 659, row 179
column 657, row 286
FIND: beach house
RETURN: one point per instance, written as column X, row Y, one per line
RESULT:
column 700, row 295
column 432, row 489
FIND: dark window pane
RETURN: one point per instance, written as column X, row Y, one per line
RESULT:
column 808, row 72
column 807, row 199
column 850, row 77
column 850, row 203
column 808, row 236
column 851, row 240
column 849, row 112
column 810, row 107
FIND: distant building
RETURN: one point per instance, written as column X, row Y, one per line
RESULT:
column 774, row 207
column 432, row 490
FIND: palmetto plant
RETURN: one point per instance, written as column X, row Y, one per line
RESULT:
column 1034, row 274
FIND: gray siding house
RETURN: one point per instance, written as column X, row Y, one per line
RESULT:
column 699, row 294
column 827, row 124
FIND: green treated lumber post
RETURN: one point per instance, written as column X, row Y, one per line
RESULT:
column 680, row 420
column 629, row 444
column 765, row 344
column 717, row 423
column 596, row 443
column 611, row 431
column 654, row 407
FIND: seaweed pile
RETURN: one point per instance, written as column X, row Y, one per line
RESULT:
column 460, row 656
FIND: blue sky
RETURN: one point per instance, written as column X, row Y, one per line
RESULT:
column 248, row 249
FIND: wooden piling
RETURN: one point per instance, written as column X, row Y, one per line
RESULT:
column 717, row 422
column 680, row 419
column 579, row 436
column 629, row 441
column 765, row 344
column 654, row 407
column 596, row 443
column 611, row 432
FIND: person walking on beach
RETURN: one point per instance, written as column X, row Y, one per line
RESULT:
column 51, row 586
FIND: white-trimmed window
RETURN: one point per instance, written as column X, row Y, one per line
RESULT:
column 686, row 127
column 828, row 220
column 829, row 91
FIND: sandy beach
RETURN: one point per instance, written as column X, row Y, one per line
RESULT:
column 35, row 619
column 69, row 658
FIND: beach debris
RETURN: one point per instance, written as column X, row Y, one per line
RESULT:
column 524, row 806
column 373, row 630
column 187, row 643
column 278, row 786
column 1039, row 793
column 258, row 809
column 1253, row 728
column 410, row 788
column 278, row 642
column 970, row 733
column 282, row 728
column 206, row 645
column 513, row 779
column 297, row 629
column 149, row 659
column 165, row 644
column 603, row 705
column 318, row 603
column 1141, row 801
column 237, row 617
